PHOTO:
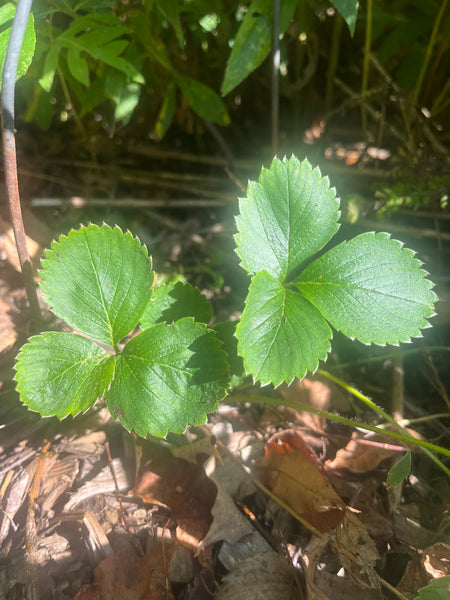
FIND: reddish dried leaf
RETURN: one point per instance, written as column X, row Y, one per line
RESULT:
column 293, row 473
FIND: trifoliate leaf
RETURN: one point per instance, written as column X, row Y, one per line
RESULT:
column 99, row 280
column 168, row 377
column 288, row 216
column 281, row 335
column 61, row 374
column 371, row 288
column 174, row 301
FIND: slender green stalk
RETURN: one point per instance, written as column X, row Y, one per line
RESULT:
column 427, row 447
column 334, row 59
column 429, row 51
column 366, row 65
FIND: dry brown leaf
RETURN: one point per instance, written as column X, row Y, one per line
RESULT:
column 181, row 486
column 228, row 524
column 8, row 333
column 362, row 455
column 125, row 576
column 259, row 577
column 436, row 560
column 353, row 536
column 294, row 474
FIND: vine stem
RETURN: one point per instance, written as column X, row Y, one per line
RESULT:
column 9, row 150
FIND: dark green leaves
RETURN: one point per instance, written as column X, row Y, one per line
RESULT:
column 370, row 288
column 349, row 12
column 99, row 280
column 253, row 40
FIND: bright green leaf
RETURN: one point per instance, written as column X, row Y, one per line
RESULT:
column 124, row 94
column 61, row 374
column 289, row 215
column 203, row 100
column 168, row 377
column 77, row 65
column 175, row 301
column 7, row 13
column 99, row 280
column 437, row 589
column 253, row 40
column 50, row 65
column 371, row 289
column 281, row 335
column 349, row 12
column 400, row 470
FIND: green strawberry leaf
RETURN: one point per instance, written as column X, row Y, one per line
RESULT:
column 288, row 216
column 281, row 335
column 61, row 374
column 99, row 280
column 371, row 288
column 172, row 302
column 167, row 377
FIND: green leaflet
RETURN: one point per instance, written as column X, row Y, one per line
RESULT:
column 400, row 470
column 288, row 215
column 89, row 278
column 62, row 374
column 370, row 288
column 174, row 301
column 281, row 335
column 167, row 377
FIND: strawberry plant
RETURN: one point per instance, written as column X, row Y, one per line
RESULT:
column 150, row 354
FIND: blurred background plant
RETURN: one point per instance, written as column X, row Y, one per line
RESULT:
column 105, row 63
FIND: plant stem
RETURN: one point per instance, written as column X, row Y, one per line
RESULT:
column 427, row 448
column 366, row 63
column 429, row 51
column 9, row 151
column 275, row 75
